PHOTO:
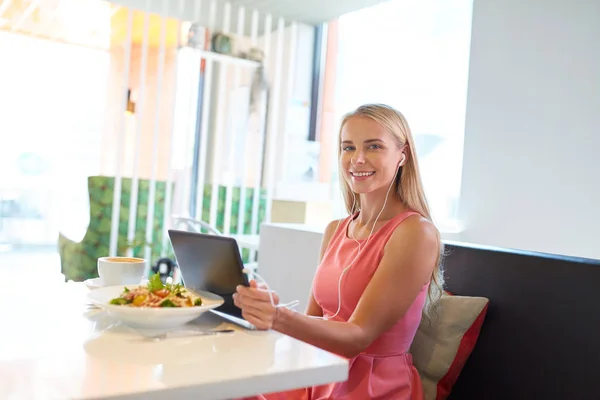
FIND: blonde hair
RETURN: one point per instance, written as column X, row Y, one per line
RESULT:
column 409, row 186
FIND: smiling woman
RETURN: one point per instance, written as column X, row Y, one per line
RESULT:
column 379, row 267
column 369, row 155
column 375, row 145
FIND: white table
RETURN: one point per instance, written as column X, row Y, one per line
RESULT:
column 53, row 346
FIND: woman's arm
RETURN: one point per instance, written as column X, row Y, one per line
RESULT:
column 312, row 307
column 407, row 264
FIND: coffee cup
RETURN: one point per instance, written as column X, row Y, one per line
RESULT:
column 121, row 270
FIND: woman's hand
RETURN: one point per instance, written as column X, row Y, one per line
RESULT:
column 255, row 303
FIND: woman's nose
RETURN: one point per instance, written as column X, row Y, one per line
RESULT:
column 358, row 157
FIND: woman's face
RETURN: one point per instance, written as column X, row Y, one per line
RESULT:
column 369, row 155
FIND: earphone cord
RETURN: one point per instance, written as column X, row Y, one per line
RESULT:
column 289, row 305
column 359, row 246
column 294, row 303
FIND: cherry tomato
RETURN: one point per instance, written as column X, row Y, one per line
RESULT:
column 161, row 293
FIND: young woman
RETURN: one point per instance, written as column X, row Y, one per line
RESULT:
column 379, row 267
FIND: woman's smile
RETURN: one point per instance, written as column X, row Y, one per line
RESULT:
column 361, row 175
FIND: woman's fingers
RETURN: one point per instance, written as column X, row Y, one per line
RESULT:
column 258, row 307
column 256, row 313
column 256, row 285
column 252, row 291
column 258, row 294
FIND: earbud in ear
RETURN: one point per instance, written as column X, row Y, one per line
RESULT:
column 401, row 163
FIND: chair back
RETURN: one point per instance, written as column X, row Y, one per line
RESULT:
column 78, row 260
column 195, row 225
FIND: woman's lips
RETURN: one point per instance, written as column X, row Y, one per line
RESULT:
column 361, row 175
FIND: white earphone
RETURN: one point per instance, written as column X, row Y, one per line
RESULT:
column 294, row 303
column 401, row 163
column 290, row 305
column 360, row 248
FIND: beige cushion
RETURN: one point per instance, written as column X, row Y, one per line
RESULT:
column 444, row 342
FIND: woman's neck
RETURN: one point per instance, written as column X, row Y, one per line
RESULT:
column 372, row 206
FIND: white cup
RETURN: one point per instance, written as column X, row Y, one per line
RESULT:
column 121, row 270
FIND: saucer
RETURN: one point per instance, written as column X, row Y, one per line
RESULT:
column 94, row 283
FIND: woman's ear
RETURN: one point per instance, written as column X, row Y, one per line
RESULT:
column 402, row 160
column 404, row 155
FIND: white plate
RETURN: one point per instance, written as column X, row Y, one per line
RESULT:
column 93, row 283
column 151, row 321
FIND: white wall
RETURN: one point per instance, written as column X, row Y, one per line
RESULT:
column 531, row 174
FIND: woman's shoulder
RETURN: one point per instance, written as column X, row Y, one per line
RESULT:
column 332, row 227
column 415, row 228
column 329, row 233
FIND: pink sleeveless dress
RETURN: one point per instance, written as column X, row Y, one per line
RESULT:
column 384, row 371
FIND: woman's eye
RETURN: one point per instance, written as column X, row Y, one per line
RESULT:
column 374, row 146
column 347, row 148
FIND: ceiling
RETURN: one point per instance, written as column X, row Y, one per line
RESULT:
column 311, row 12
column 98, row 23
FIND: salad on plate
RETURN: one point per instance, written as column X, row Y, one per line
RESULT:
column 157, row 294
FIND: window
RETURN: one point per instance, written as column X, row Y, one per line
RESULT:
column 55, row 98
column 414, row 56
